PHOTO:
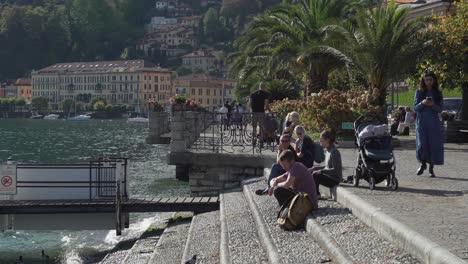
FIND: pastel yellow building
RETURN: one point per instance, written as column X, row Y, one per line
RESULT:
column 129, row 82
column 210, row 92
column 24, row 88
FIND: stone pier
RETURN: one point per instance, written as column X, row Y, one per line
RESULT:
column 208, row 172
column 158, row 125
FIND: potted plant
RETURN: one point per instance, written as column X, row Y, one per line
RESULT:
column 154, row 105
column 178, row 102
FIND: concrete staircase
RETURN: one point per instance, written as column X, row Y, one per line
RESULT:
column 244, row 230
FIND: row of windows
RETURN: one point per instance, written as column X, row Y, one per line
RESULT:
column 196, row 61
column 208, row 92
column 98, row 79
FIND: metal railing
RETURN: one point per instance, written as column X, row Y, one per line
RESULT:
column 237, row 132
column 100, row 177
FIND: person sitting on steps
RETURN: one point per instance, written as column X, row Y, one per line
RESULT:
column 296, row 179
column 276, row 169
column 331, row 174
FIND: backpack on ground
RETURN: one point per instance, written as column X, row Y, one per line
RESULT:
column 294, row 212
column 319, row 155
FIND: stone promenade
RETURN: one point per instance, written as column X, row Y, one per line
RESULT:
column 437, row 207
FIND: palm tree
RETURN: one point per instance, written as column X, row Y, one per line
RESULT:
column 296, row 37
column 384, row 45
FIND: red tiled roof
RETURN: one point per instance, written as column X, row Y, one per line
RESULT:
column 23, row 81
column 99, row 66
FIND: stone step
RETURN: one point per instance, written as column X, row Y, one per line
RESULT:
column 240, row 241
column 170, row 246
column 359, row 241
column 144, row 247
column 292, row 246
column 203, row 239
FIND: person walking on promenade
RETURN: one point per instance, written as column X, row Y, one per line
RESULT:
column 428, row 102
column 296, row 179
column 304, row 147
column 258, row 104
column 276, row 169
column 332, row 174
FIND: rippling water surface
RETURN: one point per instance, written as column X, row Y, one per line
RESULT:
column 60, row 141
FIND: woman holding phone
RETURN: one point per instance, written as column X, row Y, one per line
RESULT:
column 429, row 142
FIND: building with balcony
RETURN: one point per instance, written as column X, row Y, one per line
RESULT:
column 210, row 92
column 129, row 82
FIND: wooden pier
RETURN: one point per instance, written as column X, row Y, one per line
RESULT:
column 134, row 205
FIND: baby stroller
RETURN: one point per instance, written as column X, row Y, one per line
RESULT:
column 375, row 162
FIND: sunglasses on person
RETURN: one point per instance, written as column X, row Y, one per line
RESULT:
column 285, row 140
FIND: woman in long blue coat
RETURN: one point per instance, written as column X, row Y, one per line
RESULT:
column 429, row 143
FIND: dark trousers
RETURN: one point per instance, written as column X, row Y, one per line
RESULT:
column 283, row 195
column 324, row 180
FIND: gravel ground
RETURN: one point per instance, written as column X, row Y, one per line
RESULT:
column 360, row 241
column 244, row 245
column 171, row 245
column 293, row 246
column 205, row 238
column 115, row 257
column 142, row 250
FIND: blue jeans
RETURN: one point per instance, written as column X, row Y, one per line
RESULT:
column 276, row 171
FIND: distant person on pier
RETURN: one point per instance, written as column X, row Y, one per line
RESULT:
column 296, row 179
column 228, row 106
column 259, row 103
column 276, row 169
column 429, row 142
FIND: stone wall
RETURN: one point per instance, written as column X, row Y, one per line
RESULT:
column 159, row 124
column 210, row 173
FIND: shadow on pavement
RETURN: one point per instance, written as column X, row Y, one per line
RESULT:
column 452, row 179
column 431, row 192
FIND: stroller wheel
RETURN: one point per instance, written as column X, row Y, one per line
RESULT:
column 356, row 176
column 371, row 183
column 394, row 184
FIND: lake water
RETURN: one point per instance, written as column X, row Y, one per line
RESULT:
column 61, row 141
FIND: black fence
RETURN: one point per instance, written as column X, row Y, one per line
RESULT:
column 102, row 180
column 237, row 132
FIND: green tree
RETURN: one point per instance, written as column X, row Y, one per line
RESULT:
column 449, row 51
column 40, row 104
column 99, row 106
column 385, row 46
column 67, row 106
column 214, row 27
column 182, row 71
column 293, row 42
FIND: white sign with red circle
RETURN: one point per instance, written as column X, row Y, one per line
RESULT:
column 8, row 179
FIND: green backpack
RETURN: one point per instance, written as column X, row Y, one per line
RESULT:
column 319, row 155
column 294, row 212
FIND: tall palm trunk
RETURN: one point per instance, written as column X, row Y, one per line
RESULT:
column 317, row 82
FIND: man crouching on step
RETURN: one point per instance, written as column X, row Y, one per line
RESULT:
column 296, row 179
